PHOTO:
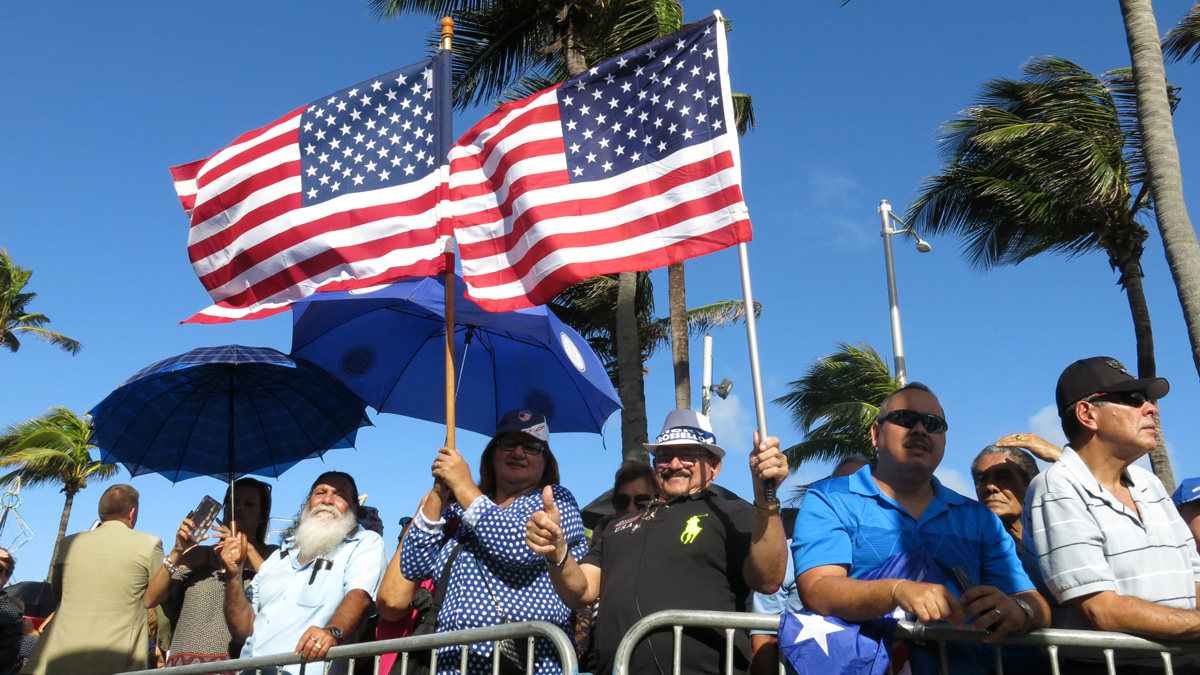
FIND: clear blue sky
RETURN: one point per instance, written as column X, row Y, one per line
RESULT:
column 103, row 97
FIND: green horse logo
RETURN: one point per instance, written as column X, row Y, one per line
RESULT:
column 692, row 530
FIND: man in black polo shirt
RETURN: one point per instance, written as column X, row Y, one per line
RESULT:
column 698, row 546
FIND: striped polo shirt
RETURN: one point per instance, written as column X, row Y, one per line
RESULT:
column 1083, row 540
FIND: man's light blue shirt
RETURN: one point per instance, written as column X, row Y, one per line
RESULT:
column 288, row 597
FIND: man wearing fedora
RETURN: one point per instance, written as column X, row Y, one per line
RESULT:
column 697, row 546
column 1110, row 547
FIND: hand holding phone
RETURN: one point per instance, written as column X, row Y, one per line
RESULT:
column 203, row 517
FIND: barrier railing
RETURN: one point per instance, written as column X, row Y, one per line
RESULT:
column 1106, row 643
column 425, row 646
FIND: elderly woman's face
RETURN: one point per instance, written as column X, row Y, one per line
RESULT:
column 1001, row 486
column 519, row 462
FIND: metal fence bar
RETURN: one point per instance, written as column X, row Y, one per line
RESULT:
column 1051, row 639
column 461, row 638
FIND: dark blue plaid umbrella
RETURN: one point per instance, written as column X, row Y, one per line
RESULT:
column 225, row 412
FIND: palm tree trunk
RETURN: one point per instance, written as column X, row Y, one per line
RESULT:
column 1162, row 158
column 62, row 530
column 1132, row 275
column 630, row 386
column 677, row 293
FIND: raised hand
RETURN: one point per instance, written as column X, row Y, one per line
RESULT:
column 543, row 531
column 183, row 537
column 233, row 549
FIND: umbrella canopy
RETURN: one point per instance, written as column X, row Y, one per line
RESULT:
column 38, row 597
column 225, row 412
column 387, row 344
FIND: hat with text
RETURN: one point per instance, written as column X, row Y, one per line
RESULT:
column 1188, row 491
column 1099, row 375
column 525, row 421
column 687, row 427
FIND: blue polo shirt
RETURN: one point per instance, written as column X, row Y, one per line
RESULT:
column 848, row 521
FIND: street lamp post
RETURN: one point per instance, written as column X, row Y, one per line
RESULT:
column 886, row 217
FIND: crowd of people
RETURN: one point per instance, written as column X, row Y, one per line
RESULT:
column 1091, row 542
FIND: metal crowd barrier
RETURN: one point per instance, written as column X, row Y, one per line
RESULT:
column 1106, row 643
column 411, row 649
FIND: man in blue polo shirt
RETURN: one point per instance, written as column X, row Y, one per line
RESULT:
column 853, row 525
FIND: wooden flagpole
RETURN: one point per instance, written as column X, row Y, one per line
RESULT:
column 445, row 121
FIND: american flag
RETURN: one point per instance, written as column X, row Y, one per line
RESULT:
column 628, row 166
column 337, row 195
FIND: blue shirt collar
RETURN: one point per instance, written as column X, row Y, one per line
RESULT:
column 862, row 482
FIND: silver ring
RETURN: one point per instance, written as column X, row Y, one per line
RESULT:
column 318, row 645
column 997, row 610
column 779, row 462
column 1018, row 437
column 437, row 465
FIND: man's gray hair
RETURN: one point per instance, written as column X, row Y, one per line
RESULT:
column 911, row 386
column 1024, row 460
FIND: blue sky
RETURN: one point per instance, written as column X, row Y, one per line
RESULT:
column 103, row 97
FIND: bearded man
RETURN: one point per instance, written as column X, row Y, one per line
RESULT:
column 310, row 594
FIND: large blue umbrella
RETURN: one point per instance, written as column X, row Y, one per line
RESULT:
column 225, row 412
column 388, row 345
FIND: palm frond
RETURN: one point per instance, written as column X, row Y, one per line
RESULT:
column 1044, row 164
column 835, row 403
column 1184, row 38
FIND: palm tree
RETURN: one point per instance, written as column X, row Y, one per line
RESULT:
column 14, row 316
column 1049, row 163
column 508, row 49
column 53, row 449
column 1184, row 38
column 590, row 308
column 836, row 402
column 1154, row 107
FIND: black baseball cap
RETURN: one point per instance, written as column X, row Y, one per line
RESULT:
column 1101, row 374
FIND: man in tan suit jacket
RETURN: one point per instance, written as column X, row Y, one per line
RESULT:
column 100, row 578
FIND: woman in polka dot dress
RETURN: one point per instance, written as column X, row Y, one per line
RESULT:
column 495, row 577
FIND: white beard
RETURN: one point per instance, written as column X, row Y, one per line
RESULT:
column 319, row 536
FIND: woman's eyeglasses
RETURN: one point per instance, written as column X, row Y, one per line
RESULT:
column 621, row 502
column 908, row 419
column 530, row 447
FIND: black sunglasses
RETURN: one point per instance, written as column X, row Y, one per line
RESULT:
column 1133, row 399
column 620, row 502
column 908, row 419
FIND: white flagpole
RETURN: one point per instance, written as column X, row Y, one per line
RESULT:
column 760, row 407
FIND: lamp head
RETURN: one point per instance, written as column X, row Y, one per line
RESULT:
column 724, row 388
column 922, row 245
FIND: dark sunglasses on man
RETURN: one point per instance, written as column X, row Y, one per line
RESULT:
column 934, row 424
column 1133, row 399
column 620, row 502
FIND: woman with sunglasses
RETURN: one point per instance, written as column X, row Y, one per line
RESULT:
column 478, row 532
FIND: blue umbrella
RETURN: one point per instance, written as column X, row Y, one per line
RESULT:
column 387, row 344
column 225, row 412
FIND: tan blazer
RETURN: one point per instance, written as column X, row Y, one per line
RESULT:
column 100, row 627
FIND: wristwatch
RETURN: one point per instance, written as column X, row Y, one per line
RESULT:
column 336, row 633
column 771, row 509
column 1028, row 624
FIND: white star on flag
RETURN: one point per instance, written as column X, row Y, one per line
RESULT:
column 816, row 628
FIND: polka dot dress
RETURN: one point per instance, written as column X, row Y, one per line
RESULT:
column 493, row 545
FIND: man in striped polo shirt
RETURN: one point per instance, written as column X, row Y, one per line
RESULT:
column 1104, row 535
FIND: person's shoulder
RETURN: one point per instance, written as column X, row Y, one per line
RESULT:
column 365, row 537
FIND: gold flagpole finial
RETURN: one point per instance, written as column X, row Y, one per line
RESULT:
column 447, row 31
